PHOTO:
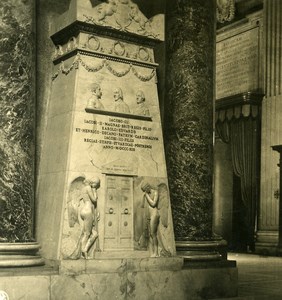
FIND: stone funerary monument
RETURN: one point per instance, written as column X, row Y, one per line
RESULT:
column 103, row 174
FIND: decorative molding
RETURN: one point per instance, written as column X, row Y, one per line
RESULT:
column 117, row 114
column 104, row 63
column 119, row 48
column 106, row 47
column 143, row 54
column 225, row 10
column 92, row 43
column 72, row 44
column 62, row 36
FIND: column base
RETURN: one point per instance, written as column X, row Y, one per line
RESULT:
column 202, row 250
column 20, row 255
column 266, row 243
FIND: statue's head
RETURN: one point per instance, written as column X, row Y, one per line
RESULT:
column 140, row 97
column 146, row 187
column 118, row 94
column 94, row 182
column 96, row 89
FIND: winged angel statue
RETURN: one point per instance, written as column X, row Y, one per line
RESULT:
column 156, row 205
column 82, row 209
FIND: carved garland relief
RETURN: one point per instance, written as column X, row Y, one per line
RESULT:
column 104, row 63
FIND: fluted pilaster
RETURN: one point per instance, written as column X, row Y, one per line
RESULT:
column 271, row 126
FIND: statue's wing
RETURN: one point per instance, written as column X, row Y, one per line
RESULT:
column 74, row 198
column 163, row 203
column 163, row 231
column 139, row 220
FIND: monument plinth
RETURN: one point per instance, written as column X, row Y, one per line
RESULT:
column 105, row 183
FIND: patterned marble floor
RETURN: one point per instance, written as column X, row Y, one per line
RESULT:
column 259, row 277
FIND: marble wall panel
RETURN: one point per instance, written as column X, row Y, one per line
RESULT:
column 57, row 141
column 62, row 93
column 89, row 286
column 186, row 284
column 49, row 213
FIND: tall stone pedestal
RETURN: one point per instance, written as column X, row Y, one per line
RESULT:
column 103, row 187
column 103, row 149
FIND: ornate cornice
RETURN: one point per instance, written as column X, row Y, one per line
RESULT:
column 234, row 107
column 239, row 99
column 62, row 36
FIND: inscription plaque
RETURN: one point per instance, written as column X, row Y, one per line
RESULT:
column 237, row 63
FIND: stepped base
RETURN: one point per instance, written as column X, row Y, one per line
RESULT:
column 148, row 278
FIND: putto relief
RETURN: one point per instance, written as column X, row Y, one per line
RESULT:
column 124, row 15
column 133, row 215
column 82, row 211
column 152, row 225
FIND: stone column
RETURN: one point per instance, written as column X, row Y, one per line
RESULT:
column 190, row 37
column 17, row 126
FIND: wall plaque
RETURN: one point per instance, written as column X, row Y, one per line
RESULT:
column 237, row 62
